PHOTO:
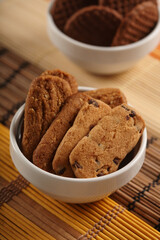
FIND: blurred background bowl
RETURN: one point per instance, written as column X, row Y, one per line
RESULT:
column 102, row 60
column 74, row 190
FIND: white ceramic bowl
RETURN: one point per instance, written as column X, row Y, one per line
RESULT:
column 73, row 190
column 102, row 60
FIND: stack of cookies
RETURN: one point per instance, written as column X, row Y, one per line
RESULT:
column 77, row 134
column 105, row 22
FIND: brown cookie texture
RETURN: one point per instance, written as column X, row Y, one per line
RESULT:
column 45, row 98
column 95, row 25
column 63, row 9
column 137, row 24
column 123, row 6
column 44, row 153
column 64, row 75
column 88, row 116
column 111, row 96
column 107, row 144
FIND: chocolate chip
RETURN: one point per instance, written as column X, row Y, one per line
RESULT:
column 60, row 172
column 116, row 160
column 127, row 117
column 104, row 167
column 127, row 109
column 100, row 174
column 77, row 165
column 91, row 101
column 108, row 169
column 132, row 114
column 96, row 160
column 70, row 123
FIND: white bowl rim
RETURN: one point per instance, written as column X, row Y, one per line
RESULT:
column 124, row 169
column 139, row 43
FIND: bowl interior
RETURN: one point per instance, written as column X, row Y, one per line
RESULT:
column 129, row 157
column 142, row 41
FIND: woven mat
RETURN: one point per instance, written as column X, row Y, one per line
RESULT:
column 27, row 213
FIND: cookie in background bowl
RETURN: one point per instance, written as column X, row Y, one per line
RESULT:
column 123, row 6
column 95, row 25
column 137, row 24
column 63, row 9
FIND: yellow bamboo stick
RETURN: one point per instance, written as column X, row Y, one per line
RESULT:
column 82, row 229
column 86, row 217
column 11, row 230
column 7, row 160
column 3, row 238
column 4, row 141
column 64, row 214
column 136, row 219
column 81, row 212
column 35, row 229
column 6, row 234
column 60, row 205
column 115, row 222
column 4, row 130
column 14, row 226
column 10, row 172
column 17, row 223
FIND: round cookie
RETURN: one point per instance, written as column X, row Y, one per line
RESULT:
column 111, row 96
column 137, row 24
column 88, row 116
column 108, row 143
column 63, row 9
column 44, row 153
column 123, row 6
column 66, row 76
column 95, row 25
column 45, row 98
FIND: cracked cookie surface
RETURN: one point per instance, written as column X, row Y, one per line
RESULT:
column 45, row 98
column 108, row 143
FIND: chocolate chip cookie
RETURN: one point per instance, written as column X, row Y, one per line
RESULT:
column 45, row 98
column 111, row 96
column 44, row 153
column 108, row 143
column 88, row 116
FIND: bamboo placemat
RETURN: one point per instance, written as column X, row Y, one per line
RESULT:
column 26, row 213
